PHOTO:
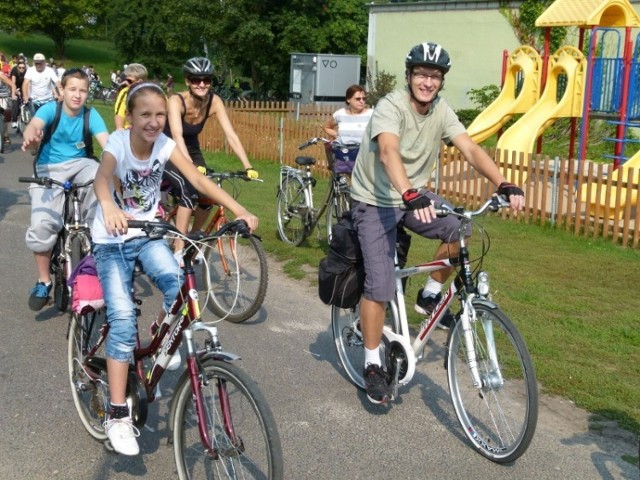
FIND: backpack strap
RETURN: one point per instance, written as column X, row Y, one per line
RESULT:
column 88, row 138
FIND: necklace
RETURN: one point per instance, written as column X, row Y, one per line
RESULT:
column 197, row 110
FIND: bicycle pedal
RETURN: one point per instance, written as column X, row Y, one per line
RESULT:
column 108, row 447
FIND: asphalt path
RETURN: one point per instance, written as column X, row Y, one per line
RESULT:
column 327, row 428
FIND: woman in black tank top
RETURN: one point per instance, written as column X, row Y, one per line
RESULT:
column 188, row 111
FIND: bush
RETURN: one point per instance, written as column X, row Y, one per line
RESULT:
column 467, row 115
column 379, row 86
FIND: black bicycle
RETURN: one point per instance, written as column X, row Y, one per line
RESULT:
column 73, row 242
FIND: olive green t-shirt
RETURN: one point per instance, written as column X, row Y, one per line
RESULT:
column 420, row 139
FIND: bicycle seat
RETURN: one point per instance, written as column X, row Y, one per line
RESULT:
column 305, row 160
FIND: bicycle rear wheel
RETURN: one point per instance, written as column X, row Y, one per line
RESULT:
column 500, row 417
column 89, row 387
column 347, row 336
column 238, row 277
column 340, row 203
column 239, row 424
column 293, row 211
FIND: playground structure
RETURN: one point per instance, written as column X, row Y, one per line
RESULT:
column 604, row 85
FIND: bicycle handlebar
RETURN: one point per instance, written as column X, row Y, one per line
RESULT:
column 49, row 182
column 227, row 175
column 313, row 141
column 495, row 203
column 159, row 228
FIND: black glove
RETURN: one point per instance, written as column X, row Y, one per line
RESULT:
column 507, row 189
column 416, row 199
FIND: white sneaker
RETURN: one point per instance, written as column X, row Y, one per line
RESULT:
column 14, row 124
column 175, row 361
column 122, row 435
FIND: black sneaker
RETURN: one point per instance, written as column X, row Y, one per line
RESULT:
column 376, row 384
column 426, row 305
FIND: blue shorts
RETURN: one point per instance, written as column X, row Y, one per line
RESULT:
column 377, row 235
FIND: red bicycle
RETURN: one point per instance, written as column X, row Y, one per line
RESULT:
column 236, row 274
column 221, row 424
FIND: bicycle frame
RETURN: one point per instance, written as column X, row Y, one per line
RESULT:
column 462, row 286
column 182, row 320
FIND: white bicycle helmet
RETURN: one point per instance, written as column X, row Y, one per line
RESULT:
column 198, row 67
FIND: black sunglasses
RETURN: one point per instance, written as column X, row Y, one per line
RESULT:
column 199, row 80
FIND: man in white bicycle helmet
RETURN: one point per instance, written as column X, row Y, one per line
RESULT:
column 398, row 154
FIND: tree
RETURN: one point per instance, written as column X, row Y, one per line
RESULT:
column 523, row 22
column 59, row 20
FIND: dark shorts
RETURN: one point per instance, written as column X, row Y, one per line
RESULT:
column 187, row 193
column 377, row 234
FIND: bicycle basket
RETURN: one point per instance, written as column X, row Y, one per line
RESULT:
column 342, row 158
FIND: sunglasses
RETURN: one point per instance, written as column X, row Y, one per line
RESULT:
column 199, row 80
column 360, row 99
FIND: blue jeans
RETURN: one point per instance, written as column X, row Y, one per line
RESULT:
column 115, row 263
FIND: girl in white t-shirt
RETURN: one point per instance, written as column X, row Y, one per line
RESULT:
column 137, row 158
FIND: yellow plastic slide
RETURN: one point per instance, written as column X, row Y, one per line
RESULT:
column 525, row 61
column 592, row 201
column 569, row 62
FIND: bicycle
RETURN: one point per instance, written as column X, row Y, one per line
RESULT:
column 491, row 377
column 73, row 242
column 220, row 423
column 24, row 118
column 236, row 297
column 297, row 216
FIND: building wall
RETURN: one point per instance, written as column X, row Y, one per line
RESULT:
column 474, row 32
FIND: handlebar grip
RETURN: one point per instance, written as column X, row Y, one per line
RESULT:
column 28, row 180
column 137, row 223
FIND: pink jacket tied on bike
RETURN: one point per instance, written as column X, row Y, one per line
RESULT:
column 87, row 290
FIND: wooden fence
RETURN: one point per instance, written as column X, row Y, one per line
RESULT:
column 582, row 197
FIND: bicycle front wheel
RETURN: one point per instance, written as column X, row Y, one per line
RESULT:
column 339, row 204
column 238, row 277
column 293, row 211
column 239, row 425
column 500, row 416
column 60, row 288
column 89, row 387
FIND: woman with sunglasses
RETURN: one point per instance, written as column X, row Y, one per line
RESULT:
column 188, row 112
column 346, row 128
column 134, row 73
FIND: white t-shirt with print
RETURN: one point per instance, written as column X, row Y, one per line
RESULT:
column 140, row 181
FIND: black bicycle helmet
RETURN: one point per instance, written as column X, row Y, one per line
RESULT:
column 428, row 55
column 198, row 67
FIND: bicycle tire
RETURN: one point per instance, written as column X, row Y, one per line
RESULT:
column 347, row 336
column 339, row 204
column 293, row 211
column 89, row 388
column 236, row 283
column 60, row 288
column 256, row 453
column 500, row 418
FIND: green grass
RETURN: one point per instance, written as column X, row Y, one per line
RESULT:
column 570, row 297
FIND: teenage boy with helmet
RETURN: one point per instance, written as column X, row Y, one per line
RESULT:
column 188, row 111
column 397, row 156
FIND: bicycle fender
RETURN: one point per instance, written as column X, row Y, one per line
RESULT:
column 220, row 356
column 485, row 303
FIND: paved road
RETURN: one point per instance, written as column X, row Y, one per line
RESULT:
column 328, row 429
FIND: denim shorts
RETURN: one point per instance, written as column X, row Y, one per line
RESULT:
column 115, row 263
column 377, row 235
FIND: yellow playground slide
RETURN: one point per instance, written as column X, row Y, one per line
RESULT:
column 597, row 203
column 567, row 62
column 524, row 64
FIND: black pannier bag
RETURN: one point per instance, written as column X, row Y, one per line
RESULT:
column 341, row 272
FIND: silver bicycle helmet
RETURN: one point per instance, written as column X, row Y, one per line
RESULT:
column 428, row 55
column 198, row 67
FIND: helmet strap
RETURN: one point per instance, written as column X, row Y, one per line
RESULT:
column 415, row 99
